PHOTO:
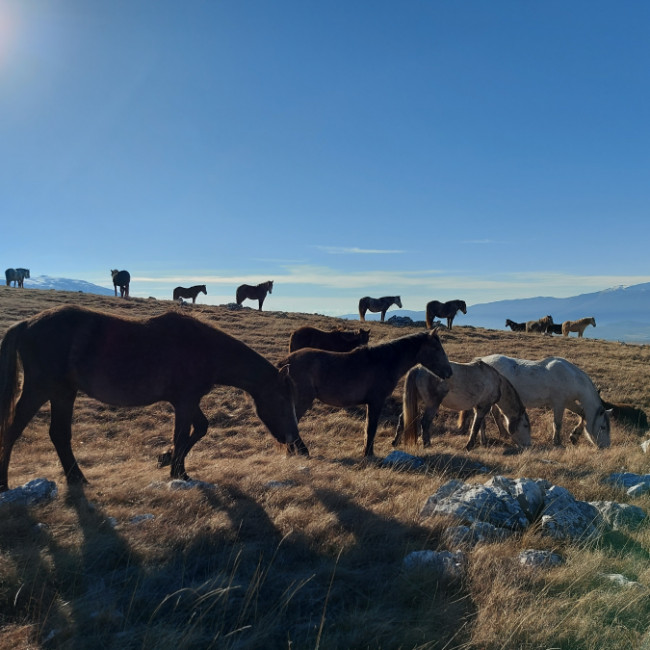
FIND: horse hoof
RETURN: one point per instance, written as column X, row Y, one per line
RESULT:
column 164, row 460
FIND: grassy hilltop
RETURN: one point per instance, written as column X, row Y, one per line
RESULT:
column 307, row 553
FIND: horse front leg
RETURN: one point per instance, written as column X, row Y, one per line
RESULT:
column 61, row 435
column 181, row 442
column 427, row 419
column 558, row 413
column 399, row 430
column 301, row 405
column 383, row 315
column 372, row 420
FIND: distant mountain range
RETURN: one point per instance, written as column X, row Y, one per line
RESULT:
column 65, row 284
column 621, row 313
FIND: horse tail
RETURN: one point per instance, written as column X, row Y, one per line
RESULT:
column 9, row 375
column 410, row 408
column 429, row 317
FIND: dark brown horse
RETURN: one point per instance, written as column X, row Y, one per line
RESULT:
column 448, row 310
column 337, row 340
column 257, row 292
column 125, row 362
column 377, row 305
column 121, row 279
column 515, row 327
column 192, row 292
column 366, row 375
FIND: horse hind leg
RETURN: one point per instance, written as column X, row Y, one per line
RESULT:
column 28, row 405
column 479, row 416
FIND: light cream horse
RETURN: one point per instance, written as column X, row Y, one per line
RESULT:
column 472, row 385
column 577, row 326
column 557, row 384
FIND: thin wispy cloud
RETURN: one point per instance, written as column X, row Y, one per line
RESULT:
column 354, row 250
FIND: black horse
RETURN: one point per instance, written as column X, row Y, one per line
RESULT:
column 121, row 279
column 192, row 292
column 17, row 276
column 446, row 310
column 250, row 292
column 377, row 304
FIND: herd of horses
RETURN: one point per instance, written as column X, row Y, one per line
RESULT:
column 128, row 362
column 545, row 325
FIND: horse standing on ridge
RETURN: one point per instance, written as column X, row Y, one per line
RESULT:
column 577, row 326
column 448, row 310
column 17, row 276
column 257, row 292
column 128, row 362
column 121, row 279
column 192, row 292
column 515, row 327
column 377, row 305
column 542, row 325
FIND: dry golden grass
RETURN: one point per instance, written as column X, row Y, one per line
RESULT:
column 305, row 553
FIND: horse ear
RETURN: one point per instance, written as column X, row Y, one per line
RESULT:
column 284, row 370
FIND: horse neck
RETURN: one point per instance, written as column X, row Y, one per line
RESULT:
column 243, row 368
column 589, row 398
column 400, row 354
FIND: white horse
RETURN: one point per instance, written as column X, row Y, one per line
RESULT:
column 557, row 384
column 474, row 386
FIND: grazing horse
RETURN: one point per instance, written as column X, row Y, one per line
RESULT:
column 337, row 340
column 448, row 310
column 515, row 327
column 257, row 292
column 557, row 384
column 377, row 304
column 192, row 292
column 121, row 279
column 17, row 276
column 473, row 385
column 577, row 326
column 127, row 362
column 366, row 375
column 542, row 325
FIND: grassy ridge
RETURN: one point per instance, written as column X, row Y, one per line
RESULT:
column 282, row 552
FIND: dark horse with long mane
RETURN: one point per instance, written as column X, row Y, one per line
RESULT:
column 121, row 279
column 257, row 292
column 126, row 362
column 337, row 340
column 17, row 276
column 366, row 375
column 448, row 310
column 377, row 304
column 514, row 326
column 192, row 292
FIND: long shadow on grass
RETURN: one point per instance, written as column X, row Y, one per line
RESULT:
column 371, row 600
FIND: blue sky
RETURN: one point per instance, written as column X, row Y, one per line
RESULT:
column 436, row 150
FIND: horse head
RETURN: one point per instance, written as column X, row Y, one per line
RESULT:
column 598, row 432
column 275, row 407
column 519, row 430
column 398, row 301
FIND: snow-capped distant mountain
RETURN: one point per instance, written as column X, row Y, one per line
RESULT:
column 66, row 284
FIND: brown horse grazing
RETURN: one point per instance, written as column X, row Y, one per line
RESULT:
column 543, row 325
column 127, row 362
column 257, row 292
column 448, row 310
column 366, row 375
column 515, row 327
column 192, row 292
column 472, row 385
column 377, row 305
column 337, row 340
column 577, row 326
column 121, row 279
